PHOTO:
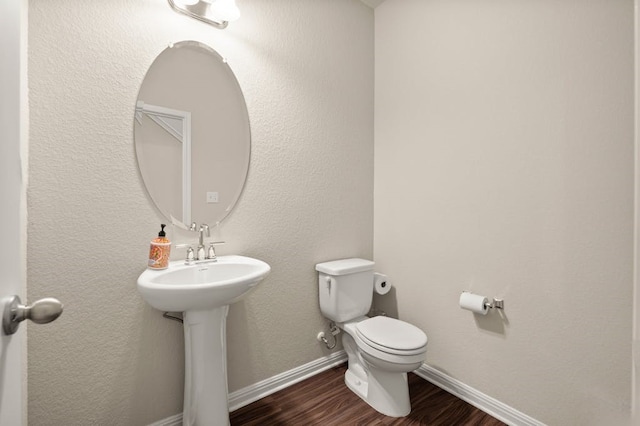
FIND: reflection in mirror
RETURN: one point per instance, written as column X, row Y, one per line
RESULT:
column 168, row 131
column 192, row 134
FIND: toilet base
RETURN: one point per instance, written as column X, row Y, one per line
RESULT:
column 388, row 393
column 385, row 391
column 357, row 385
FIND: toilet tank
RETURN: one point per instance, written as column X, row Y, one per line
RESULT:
column 346, row 288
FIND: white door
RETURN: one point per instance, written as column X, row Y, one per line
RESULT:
column 12, row 348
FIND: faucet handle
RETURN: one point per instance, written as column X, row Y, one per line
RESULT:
column 211, row 253
column 190, row 255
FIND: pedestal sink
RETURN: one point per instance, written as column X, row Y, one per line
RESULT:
column 203, row 291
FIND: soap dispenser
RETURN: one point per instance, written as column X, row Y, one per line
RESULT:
column 160, row 250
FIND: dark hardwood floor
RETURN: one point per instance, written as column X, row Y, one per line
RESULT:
column 325, row 400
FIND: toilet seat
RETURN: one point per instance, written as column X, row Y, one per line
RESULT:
column 392, row 336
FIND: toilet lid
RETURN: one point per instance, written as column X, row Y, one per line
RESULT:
column 391, row 334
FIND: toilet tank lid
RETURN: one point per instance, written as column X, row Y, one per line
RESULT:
column 345, row 266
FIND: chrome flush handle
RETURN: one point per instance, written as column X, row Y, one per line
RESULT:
column 41, row 312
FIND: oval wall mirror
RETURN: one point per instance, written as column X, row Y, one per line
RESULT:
column 192, row 134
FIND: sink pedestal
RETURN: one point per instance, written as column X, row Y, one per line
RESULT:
column 203, row 291
column 205, row 387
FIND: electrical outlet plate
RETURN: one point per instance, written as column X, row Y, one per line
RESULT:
column 212, row 197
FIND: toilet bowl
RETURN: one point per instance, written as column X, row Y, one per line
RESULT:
column 381, row 350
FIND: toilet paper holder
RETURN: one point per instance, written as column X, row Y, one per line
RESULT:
column 497, row 304
column 479, row 304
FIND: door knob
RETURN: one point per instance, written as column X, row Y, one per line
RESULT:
column 41, row 312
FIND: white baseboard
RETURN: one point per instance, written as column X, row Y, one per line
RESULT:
column 489, row 405
column 169, row 421
column 246, row 396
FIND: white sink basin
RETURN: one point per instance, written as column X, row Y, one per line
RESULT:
column 181, row 288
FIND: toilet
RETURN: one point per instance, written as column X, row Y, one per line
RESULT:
column 381, row 350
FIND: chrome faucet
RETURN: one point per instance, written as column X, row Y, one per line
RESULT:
column 200, row 253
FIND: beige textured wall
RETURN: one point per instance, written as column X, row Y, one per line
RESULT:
column 306, row 69
column 504, row 166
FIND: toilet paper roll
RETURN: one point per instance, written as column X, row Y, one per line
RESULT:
column 474, row 303
column 381, row 284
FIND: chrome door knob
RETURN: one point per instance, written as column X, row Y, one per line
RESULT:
column 41, row 312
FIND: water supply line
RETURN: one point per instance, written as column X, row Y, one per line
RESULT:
column 333, row 328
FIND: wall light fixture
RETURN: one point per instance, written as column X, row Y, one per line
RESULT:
column 214, row 12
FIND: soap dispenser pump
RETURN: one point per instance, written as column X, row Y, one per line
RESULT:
column 160, row 250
